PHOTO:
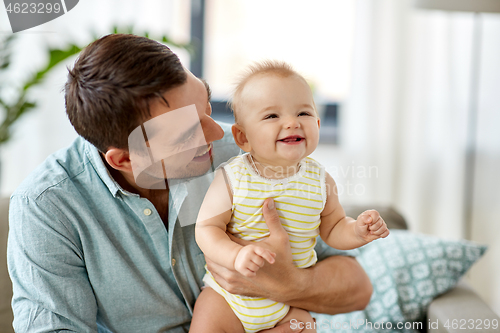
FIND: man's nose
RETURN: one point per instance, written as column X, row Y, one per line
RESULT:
column 211, row 130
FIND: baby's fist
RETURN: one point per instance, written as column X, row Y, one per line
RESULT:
column 252, row 257
column 371, row 226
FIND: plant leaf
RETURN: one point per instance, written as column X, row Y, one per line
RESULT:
column 55, row 57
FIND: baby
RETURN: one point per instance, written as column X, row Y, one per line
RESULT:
column 277, row 125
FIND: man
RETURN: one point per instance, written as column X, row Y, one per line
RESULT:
column 93, row 247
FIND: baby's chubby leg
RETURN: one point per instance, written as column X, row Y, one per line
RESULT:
column 212, row 314
column 299, row 318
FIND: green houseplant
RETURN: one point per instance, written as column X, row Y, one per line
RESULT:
column 13, row 109
column 19, row 102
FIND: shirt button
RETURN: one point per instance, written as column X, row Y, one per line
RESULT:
column 147, row 211
column 173, row 262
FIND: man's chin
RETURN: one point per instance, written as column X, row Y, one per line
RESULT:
column 193, row 169
column 156, row 179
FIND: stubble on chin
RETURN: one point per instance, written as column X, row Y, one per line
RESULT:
column 193, row 169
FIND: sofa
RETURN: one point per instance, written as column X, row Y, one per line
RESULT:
column 5, row 284
column 458, row 303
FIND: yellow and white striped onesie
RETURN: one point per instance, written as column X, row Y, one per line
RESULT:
column 299, row 201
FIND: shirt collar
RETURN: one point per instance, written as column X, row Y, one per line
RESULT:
column 177, row 187
column 95, row 159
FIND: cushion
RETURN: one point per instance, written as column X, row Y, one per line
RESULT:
column 407, row 271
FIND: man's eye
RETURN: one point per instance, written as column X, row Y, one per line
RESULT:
column 269, row 116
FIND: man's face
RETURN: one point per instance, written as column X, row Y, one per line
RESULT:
column 178, row 135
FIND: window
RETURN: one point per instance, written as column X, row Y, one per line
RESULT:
column 315, row 37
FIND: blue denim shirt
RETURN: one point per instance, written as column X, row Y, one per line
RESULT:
column 85, row 255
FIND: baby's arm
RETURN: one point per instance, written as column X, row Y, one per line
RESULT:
column 345, row 233
column 214, row 215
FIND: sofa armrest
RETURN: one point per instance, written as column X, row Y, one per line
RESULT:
column 461, row 310
column 6, row 316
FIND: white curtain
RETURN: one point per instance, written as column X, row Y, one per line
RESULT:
column 406, row 116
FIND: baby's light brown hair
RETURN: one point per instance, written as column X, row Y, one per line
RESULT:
column 265, row 67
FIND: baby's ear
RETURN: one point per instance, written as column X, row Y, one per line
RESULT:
column 240, row 137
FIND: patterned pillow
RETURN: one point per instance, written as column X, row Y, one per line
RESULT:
column 407, row 271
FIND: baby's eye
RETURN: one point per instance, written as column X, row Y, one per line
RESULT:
column 270, row 116
column 304, row 113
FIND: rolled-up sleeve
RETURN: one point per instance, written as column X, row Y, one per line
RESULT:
column 51, row 287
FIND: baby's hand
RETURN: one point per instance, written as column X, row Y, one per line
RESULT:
column 370, row 226
column 251, row 257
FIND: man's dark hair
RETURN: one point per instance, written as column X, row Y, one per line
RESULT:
column 114, row 79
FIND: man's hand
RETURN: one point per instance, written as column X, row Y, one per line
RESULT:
column 272, row 281
column 370, row 226
column 334, row 285
column 252, row 257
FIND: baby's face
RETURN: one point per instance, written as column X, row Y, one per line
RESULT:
column 278, row 116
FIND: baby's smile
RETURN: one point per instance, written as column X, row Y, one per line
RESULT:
column 292, row 139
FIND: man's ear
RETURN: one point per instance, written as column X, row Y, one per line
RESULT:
column 118, row 159
column 240, row 137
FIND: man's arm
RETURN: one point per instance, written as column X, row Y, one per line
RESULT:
column 335, row 285
column 47, row 269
